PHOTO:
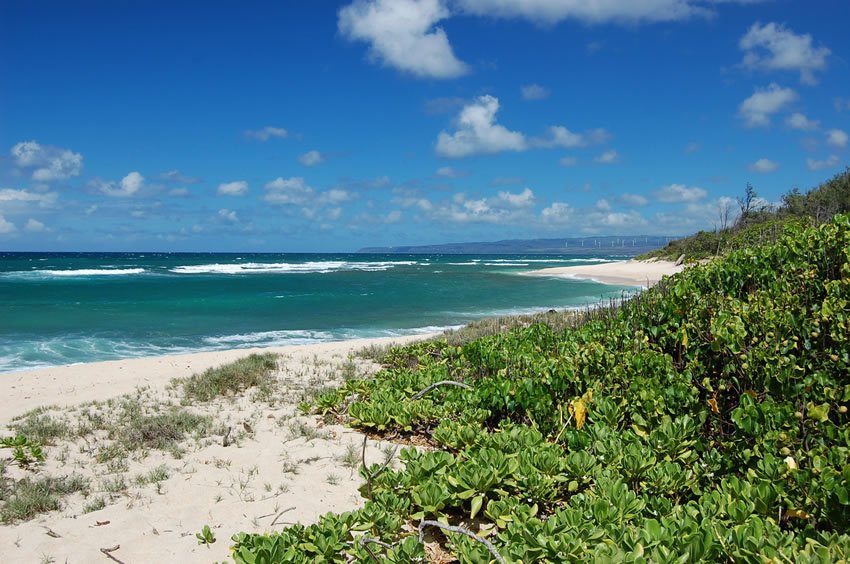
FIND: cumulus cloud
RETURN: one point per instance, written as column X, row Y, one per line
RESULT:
column 836, row 138
column 534, row 92
column 560, row 136
column 632, row 200
column 34, row 226
column 608, row 157
column 288, row 191
column 763, row 165
column 679, row 193
column 48, row 163
column 478, row 133
column 757, row 109
column 801, row 122
column 592, row 12
column 505, row 207
column 6, row 226
column 402, row 34
column 311, row 158
column 772, row 46
column 227, row 215
column 128, row 186
column 831, row 161
column 11, row 198
column 266, row 133
column 236, row 188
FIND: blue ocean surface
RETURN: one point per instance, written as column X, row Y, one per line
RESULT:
column 64, row 308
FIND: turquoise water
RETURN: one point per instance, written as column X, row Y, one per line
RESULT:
column 68, row 308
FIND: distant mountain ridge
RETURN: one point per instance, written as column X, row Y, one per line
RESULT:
column 608, row 245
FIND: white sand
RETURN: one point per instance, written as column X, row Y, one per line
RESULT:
column 643, row 273
column 274, row 470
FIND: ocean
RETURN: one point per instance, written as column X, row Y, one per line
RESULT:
column 66, row 308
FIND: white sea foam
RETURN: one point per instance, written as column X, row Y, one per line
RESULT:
column 314, row 267
column 79, row 272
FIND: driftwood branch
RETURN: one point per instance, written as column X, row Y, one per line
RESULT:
column 366, row 541
column 463, row 531
column 108, row 553
column 376, row 473
column 418, row 395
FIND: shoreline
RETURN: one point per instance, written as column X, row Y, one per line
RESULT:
column 257, row 465
column 642, row 273
column 23, row 390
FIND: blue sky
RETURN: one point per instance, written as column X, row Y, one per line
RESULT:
column 327, row 126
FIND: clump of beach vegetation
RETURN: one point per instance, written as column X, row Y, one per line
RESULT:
column 705, row 419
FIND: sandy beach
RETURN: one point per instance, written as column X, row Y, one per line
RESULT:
column 278, row 467
column 642, row 273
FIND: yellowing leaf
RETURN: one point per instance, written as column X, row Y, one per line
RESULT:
column 797, row 513
column 578, row 409
column 684, row 337
column 713, row 404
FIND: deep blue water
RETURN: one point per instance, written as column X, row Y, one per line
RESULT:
column 68, row 308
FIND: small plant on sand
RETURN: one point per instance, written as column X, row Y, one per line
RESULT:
column 253, row 371
column 24, row 451
column 30, row 497
column 40, row 426
column 206, row 536
column 96, row 504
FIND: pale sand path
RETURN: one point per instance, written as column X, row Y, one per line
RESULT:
column 279, row 461
column 625, row 273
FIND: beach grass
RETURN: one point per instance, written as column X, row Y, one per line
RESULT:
column 254, row 371
column 31, row 496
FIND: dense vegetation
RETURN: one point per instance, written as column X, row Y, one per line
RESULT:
column 705, row 420
column 757, row 222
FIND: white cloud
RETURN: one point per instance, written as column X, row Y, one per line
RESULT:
column 774, row 47
column 128, row 186
column 48, row 163
column 10, row 197
column 836, row 138
column 558, row 212
column 394, row 216
column 6, row 226
column 568, row 161
column 34, row 226
column 401, row 34
column 450, row 172
column 534, row 92
column 560, row 136
column 592, row 11
column 266, row 133
column 763, row 165
column 799, row 121
column 478, row 133
column 632, row 200
column 335, row 196
column 677, row 193
column 608, row 157
column 236, row 188
column 311, row 158
column 288, row 191
column 603, row 205
column 178, row 177
column 831, row 161
column 524, row 199
column 757, row 109
column 227, row 215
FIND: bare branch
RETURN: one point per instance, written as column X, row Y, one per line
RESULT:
column 418, row 395
column 463, row 531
